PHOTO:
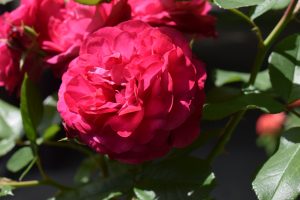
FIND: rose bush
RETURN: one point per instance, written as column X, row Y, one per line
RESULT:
column 182, row 15
column 134, row 92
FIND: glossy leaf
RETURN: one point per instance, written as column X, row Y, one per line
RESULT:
column 285, row 68
column 10, row 127
column 180, row 179
column 144, row 194
column 20, row 159
column 224, row 77
column 227, row 4
column 279, row 177
column 262, row 8
column 281, row 4
column 221, row 110
column 31, row 108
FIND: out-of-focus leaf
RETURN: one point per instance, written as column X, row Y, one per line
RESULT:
column 20, row 159
column 100, row 189
column 224, row 77
column 3, row 2
column 227, row 4
column 292, row 121
column 180, row 178
column 262, row 102
column 91, row 2
column 268, row 142
column 6, row 190
column 31, row 108
column 280, row 175
column 85, row 170
column 285, row 68
column 144, row 194
column 49, row 125
column 10, row 127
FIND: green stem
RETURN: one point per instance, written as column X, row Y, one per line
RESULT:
column 255, row 28
column 287, row 16
column 268, row 42
column 20, row 184
column 260, row 57
column 228, row 131
column 70, row 146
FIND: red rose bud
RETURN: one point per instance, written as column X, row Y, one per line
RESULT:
column 134, row 92
column 270, row 124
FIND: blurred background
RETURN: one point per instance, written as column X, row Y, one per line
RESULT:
column 233, row 49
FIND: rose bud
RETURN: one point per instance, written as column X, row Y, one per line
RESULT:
column 270, row 124
column 20, row 33
column 186, row 16
column 134, row 92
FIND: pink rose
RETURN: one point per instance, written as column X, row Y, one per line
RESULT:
column 73, row 23
column 270, row 124
column 187, row 16
column 134, row 92
column 18, row 45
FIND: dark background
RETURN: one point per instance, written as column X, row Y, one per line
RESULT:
column 233, row 49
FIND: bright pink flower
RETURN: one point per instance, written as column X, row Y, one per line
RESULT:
column 19, row 46
column 73, row 23
column 187, row 16
column 134, row 92
column 270, row 124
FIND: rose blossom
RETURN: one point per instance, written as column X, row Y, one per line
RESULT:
column 134, row 92
column 73, row 23
column 19, row 45
column 270, row 124
column 187, row 16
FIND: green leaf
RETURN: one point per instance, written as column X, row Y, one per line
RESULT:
column 85, row 170
column 49, row 125
column 6, row 190
column 227, row 4
column 279, row 177
column 180, row 179
column 263, row 8
column 20, row 159
column 221, row 110
column 224, row 77
column 100, row 189
column 285, row 68
column 281, row 4
column 268, row 142
column 144, row 194
column 3, row 2
column 91, row 2
column 112, row 196
column 31, row 108
column 292, row 121
column 10, row 127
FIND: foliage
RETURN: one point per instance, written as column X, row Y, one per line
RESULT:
column 179, row 175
